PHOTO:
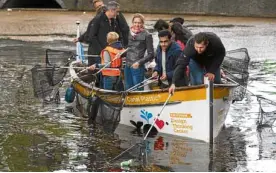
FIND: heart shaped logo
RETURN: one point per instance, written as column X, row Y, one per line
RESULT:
column 160, row 123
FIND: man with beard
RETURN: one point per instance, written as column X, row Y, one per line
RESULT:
column 166, row 57
column 204, row 54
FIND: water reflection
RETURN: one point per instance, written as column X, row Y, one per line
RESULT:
column 267, row 143
column 33, row 152
column 180, row 154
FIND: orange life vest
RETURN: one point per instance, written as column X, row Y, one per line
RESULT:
column 116, row 64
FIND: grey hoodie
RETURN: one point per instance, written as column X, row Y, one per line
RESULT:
column 137, row 48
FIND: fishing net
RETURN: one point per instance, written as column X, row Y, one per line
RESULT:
column 267, row 113
column 41, row 85
column 57, row 61
column 235, row 66
column 58, row 58
column 108, row 115
column 47, row 79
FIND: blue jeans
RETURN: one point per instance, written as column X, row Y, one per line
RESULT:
column 133, row 76
column 197, row 74
column 112, row 83
column 109, row 82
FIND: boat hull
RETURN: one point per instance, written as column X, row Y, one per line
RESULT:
column 195, row 112
column 186, row 118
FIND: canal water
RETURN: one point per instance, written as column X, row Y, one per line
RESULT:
column 37, row 137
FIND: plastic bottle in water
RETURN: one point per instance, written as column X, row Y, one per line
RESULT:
column 127, row 163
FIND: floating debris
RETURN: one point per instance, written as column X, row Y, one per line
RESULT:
column 127, row 163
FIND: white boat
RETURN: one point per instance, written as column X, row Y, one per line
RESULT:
column 197, row 112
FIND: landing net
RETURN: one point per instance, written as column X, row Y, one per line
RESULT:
column 267, row 113
column 235, row 66
column 48, row 78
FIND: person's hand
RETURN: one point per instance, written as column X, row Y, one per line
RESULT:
column 163, row 77
column 92, row 67
column 171, row 89
column 222, row 73
column 75, row 40
column 210, row 76
column 135, row 65
column 155, row 74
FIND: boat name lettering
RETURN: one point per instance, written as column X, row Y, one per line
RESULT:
column 139, row 99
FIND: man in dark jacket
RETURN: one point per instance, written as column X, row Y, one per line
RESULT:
column 166, row 57
column 95, row 33
column 204, row 54
column 99, row 7
column 120, row 19
column 101, row 25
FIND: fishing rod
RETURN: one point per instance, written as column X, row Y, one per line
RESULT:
column 154, row 80
column 94, row 56
column 139, row 84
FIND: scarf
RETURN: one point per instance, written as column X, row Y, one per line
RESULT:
column 134, row 31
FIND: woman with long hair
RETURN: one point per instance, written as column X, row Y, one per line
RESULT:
column 179, row 35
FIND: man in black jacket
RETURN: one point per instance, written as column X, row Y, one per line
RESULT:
column 204, row 54
column 99, row 7
column 108, row 19
column 120, row 19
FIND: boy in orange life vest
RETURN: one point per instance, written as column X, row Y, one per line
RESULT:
column 111, row 74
